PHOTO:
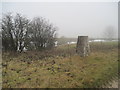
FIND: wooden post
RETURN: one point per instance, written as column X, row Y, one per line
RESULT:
column 82, row 47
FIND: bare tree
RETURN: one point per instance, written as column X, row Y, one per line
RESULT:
column 19, row 32
column 109, row 33
column 14, row 31
column 42, row 33
column 21, row 26
column 7, row 35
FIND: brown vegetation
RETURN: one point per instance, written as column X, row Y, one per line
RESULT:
column 61, row 67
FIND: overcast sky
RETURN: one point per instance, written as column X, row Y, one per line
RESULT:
column 72, row 18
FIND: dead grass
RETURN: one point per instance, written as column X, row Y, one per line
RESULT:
column 60, row 68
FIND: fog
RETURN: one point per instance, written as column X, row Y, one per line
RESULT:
column 72, row 18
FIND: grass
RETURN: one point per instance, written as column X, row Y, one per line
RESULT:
column 61, row 67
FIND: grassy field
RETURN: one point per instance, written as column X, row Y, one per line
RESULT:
column 61, row 67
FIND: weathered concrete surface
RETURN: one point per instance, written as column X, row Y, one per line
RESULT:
column 83, row 48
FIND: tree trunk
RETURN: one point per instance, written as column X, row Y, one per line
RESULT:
column 82, row 47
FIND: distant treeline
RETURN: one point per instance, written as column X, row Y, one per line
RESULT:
column 65, row 40
column 19, row 33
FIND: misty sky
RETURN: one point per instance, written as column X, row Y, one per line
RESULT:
column 72, row 18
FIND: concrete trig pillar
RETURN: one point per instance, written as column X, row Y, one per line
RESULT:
column 83, row 48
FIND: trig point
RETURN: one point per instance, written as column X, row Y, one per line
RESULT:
column 82, row 47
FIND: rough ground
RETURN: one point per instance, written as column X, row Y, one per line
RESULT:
column 61, row 67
